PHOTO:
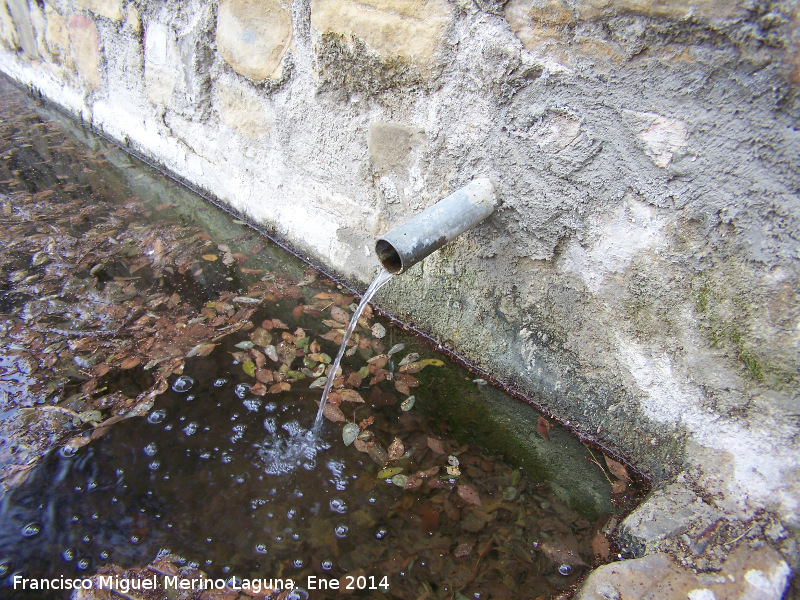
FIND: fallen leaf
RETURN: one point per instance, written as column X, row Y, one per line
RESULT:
column 462, row 550
column 469, row 494
column 333, row 413
column 201, row 350
column 351, row 396
column 617, row 469
column 131, row 362
column 389, row 472
column 601, row 547
column 413, row 481
column 543, row 428
column 436, row 445
column 210, row 257
column 396, row 449
column 349, row 433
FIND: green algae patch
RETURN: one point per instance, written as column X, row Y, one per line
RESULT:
column 482, row 414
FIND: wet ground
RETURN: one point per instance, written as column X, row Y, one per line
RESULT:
column 160, row 368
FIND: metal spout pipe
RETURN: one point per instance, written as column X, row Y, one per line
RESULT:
column 406, row 245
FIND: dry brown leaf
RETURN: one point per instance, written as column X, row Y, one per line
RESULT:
column 340, row 315
column 601, row 547
column 131, row 362
column 396, row 449
column 543, row 428
column 334, row 413
column 350, row 396
column 617, row 469
column 436, row 445
column 469, row 494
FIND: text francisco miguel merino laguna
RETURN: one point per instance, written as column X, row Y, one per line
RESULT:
column 175, row 582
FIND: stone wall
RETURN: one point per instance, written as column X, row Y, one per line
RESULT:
column 640, row 276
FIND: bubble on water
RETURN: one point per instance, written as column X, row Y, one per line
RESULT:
column 238, row 433
column 163, row 552
column 67, row 451
column 372, row 499
column 252, row 405
column 190, row 429
column 182, row 384
column 86, row 539
column 226, row 569
column 151, row 449
column 5, row 567
column 155, row 417
column 270, row 425
column 226, row 458
column 270, row 407
column 241, row 390
column 338, row 506
column 83, row 564
column 326, row 565
column 297, row 594
column 92, row 485
column 95, row 516
column 31, row 530
column 193, row 564
column 190, row 398
column 154, row 465
column 298, row 563
column 104, row 554
column 168, row 427
column 205, row 454
column 381, row 532
column 565, row 570
column 68, row 555
column 291, row 513
column 296, row 537
column 134, row 539
column 220, row 382
column 341, row 531
column 261, row 548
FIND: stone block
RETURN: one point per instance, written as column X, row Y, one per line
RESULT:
column 748, row 574
column 8, row 32
column 660, row 137
column 410, row 29
column 667, row 513
column 20, row 17
column 253, row 36
column 85, row 48
column 56, row 36
column 390, row 145
column 110, row 9
column 241, row 110
column 160, row 58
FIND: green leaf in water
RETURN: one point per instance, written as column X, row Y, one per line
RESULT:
column 395, row 349
column 249, row 367
column 389, row 472
column 400, row 480
column 349, row 433
column 406, row 404
column 246, row 345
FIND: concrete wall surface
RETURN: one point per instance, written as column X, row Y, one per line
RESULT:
column 641, row 275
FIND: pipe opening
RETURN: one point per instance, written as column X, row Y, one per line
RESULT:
column 388, row 256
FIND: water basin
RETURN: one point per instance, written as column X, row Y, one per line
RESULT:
column 161, row 368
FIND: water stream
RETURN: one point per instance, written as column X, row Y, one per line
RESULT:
column 380, row 280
